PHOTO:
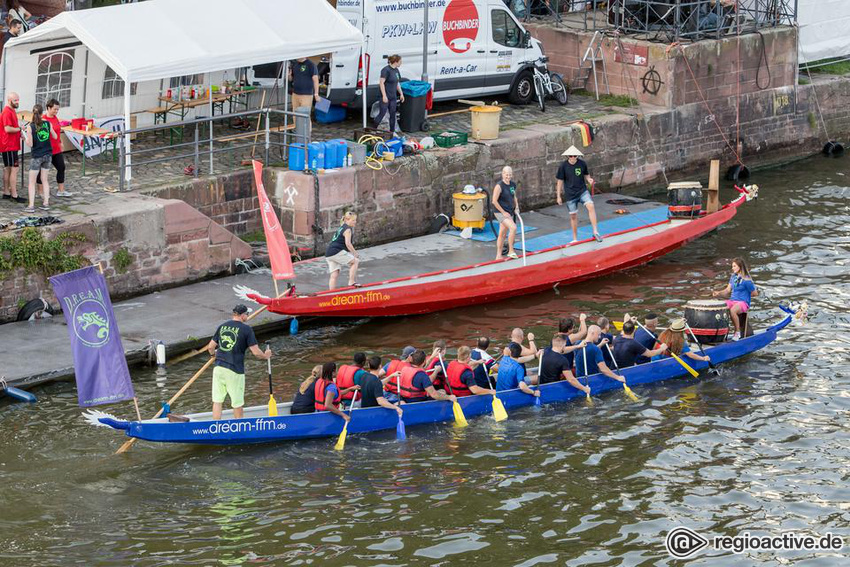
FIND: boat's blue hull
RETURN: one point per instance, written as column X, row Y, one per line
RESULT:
column 325, row 424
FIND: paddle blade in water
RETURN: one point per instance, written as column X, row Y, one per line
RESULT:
column 632, row 396
column 460, row 419
column 537, row 401
column 340, row 443
column 272, row 406
column 399, row 430
column 588, row 400
column 499, row 413
column 693, row 372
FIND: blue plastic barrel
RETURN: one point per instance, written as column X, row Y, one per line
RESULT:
column 296, row 157
column 316, row 155
column 342, row 152
column 330, row 154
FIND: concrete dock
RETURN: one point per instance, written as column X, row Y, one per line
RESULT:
column 185, row 317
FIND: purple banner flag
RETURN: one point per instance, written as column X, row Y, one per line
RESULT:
column 99, row 362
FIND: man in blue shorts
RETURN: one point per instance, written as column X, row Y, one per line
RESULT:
column 573, row 181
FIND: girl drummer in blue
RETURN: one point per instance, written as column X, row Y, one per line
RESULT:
column 740, row 290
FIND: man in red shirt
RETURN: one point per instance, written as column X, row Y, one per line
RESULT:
column 50, row 115
column 10, row 144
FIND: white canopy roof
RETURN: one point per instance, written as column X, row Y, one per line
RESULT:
column 169, row 38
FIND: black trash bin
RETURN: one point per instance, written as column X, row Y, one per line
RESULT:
column 412, row 112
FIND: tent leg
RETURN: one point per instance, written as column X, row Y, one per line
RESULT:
column 209, row 82
column 128, row 175
column 365, row 74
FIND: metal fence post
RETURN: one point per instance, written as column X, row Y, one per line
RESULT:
column 121, row 160
column 267, row 137
column 197, row 154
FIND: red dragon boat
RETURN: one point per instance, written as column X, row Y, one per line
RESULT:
column 640, row 236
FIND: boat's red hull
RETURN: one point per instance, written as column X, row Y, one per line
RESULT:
column 493, row 281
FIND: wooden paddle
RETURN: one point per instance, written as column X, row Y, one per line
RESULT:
column 626, row 388
column 711, row 365
column 460, row 419
column 272, row 402
column 692, row 372
column 126, row 446
column 499, row 411
column 340, row 443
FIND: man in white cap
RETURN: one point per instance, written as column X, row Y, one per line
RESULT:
column 574, row 179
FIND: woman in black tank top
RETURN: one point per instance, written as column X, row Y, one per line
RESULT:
column 506, row 205
column 305, row 395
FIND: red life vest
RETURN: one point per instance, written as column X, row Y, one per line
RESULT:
column 319, row 391
column 455, row 370
column 437, row 379
column 345, row 379
column 393, row 382
column 408, row 391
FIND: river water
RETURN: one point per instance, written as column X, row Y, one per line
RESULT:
column 764, row 447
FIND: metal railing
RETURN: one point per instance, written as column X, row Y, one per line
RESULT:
column 272, row 131
column 662, row 20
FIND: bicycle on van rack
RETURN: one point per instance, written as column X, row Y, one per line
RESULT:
column 547, row 84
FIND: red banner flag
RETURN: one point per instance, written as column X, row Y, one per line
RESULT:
column 275, row 239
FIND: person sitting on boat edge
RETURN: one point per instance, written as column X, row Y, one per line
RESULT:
column 605, row 325
column 646, row 338
column 566, row 328
column 506, row 204
column 461, row 377
column 392, row 372
column 512, row 374
column 228, row 345
column 592, row 353
column 627, row 350
column 574, row 179
column 674, row 338
column 341, row 251
column 371, row 388
column 347, row 375
column 328, row 394
column 553, row 365
column 740, row 290
column 305, row 396
column 415, row 385
column 487, row 363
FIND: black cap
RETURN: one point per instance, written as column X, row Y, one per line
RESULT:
column 240, row 309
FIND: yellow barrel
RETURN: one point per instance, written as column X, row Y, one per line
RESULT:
column 485, row 122
column 469, row 210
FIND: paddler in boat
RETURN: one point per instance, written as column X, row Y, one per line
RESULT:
column 341, row 251
column 627, row 350
column 526, row 353
column 574, row 179
column 487, row 364
column 461, row 375
column 674, row 338
column 566, row 328
column 371, row 388
column 392, row 371
column 593, row 354
column 328, row 394
column 740, row 290
column 604, row 324
column 228, row 346
column 554, row 367
column 305, row 396
column 415, row 385
column 506, row 204
column 646, row 336
column 348, row 375
column 512, row 374
column 433, row 367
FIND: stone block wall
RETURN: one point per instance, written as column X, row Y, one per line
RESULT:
column 768, row 61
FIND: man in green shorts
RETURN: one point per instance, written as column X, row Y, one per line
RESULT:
column 228, row 345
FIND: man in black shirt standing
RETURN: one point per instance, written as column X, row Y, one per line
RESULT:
column 228, row 345
column 305, row 83
column 573, row 180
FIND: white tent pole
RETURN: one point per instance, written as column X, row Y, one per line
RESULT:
column 365, row 74
column 209, row 84
column 127, row 160
column 285, row 70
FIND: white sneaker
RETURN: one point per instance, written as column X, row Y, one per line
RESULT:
column 64, row 194
column 736, row 337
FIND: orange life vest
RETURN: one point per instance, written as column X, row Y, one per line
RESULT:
column 437, row 378
column 394, row 366
column 455, row 370
column 408, row 391
column 319, row 391
column 345, row 379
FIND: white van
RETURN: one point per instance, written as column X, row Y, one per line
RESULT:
column 475, row 48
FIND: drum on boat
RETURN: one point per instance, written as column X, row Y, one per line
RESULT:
column 684, row 200
column 708, row 319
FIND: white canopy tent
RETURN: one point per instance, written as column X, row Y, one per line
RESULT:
column 160, row 39
column 824, row 26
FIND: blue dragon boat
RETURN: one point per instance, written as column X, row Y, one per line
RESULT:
column 258, row 427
